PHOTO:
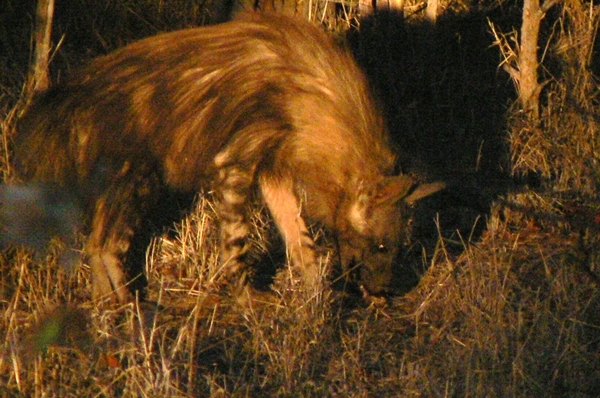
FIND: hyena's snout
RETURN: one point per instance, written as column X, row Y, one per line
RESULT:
column 376, row 280
column 372, row 269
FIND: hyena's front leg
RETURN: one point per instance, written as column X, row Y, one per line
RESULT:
column 231, row 193
column 278, row 194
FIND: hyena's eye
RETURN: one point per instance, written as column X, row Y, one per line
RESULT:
column 381, row 248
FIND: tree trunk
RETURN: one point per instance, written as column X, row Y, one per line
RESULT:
column 529, row 86
column 39, row 79
column 431, row 13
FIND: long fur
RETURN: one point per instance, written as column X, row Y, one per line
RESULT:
column 265, row 102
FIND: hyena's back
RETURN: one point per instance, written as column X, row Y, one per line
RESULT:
column 180, row 97
column 267, row 101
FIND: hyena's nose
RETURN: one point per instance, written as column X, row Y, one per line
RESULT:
column 376, row 283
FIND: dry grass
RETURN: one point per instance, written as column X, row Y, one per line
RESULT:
column 515, row 315
column 564, row 146
column 514, row 311
column 509, row 317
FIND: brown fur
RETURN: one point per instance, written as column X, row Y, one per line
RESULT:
column 265, row 101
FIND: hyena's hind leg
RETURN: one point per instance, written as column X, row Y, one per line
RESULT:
column 105, row 248
column 279, row 196
column 117, row 216
column 232, row 191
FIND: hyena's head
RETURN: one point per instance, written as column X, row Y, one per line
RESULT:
column 377, row 227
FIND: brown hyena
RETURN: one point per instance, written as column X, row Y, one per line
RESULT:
column 265, row 104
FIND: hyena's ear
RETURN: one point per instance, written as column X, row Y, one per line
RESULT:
column 387, row 190
column 402, row 187
column 423, row 191
column 393, row 189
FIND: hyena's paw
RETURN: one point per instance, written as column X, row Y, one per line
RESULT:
column 306, row 278
column 109, row 285
column 231, row 279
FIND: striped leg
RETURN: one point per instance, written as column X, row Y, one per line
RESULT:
column 105, row 248
column 283, row 204
column 232, row 192
column 117, row 216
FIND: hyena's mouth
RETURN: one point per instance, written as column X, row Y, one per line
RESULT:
column 372, row 282
column 376, row 300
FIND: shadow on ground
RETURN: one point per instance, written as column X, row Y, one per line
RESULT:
column 446, row 102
